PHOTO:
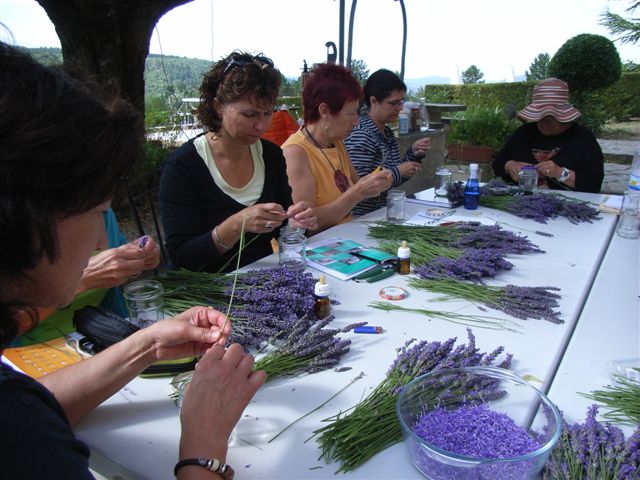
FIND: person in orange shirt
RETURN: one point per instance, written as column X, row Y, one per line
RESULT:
column 318, row 166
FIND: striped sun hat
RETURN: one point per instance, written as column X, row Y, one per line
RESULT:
column 550, row 97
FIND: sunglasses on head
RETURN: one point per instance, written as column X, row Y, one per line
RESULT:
column 242, row 60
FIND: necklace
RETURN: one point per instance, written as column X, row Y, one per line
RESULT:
column 340, row 179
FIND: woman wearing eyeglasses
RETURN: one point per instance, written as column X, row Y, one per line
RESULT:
column 318, row 165
column 372, row 143
column 228, row 180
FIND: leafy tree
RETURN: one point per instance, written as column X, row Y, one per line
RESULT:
column 539, row 69
column 360, row 70
column 627, row 28
column 472, row 75
column 109, row 38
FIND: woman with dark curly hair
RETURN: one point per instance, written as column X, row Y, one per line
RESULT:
column 228, row 179
column 319, row 168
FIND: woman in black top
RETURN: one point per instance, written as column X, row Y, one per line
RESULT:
column 566, row 154
column 228, row 179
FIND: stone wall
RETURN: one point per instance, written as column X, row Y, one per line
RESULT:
column 432, row 160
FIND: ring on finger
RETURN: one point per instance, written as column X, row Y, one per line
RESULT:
column 267, row 225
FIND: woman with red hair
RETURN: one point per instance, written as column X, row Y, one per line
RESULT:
column 318, row 166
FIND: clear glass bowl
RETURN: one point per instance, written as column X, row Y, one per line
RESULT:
column 507, row 393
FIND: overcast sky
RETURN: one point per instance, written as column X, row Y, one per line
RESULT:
column 500, row 37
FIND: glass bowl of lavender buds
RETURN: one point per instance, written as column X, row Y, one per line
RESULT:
column 477, row 423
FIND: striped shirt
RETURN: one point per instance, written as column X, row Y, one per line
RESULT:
column 370, row 148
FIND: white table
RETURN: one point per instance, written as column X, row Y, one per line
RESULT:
column 608, row 331
column 138, row 428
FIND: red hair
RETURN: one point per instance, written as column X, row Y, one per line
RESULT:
column 332, row 84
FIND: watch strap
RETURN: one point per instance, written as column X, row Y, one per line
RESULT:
column 565, row 175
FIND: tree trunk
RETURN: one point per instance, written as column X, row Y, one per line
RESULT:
column 109, row 38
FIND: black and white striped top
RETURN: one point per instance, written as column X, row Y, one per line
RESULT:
column 370, row 148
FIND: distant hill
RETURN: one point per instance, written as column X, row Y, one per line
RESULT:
column 164, row 75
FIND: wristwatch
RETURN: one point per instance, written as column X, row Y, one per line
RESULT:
column 565, row 175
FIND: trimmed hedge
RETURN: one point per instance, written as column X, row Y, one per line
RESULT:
column 618, row 102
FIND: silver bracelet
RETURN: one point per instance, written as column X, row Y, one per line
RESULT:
column 218, row 240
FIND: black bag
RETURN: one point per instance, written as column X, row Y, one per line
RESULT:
column 101, row 328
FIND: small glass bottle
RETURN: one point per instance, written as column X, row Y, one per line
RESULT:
column 472, row 188
column 404, row 260
column 145, row 302
column 322, row 307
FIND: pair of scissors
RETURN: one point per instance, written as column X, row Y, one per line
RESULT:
column 379, row 272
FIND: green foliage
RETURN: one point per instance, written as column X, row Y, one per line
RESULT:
column 360, row 70
column 586, row 62
column 155, row 154
column 627, row 28
column 472, row 75
column 620, row 101
column 630, row 66
column 539, row 68
column 482, row 126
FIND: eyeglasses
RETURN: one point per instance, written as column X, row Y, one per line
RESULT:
column 395, row 103
column 242, row 60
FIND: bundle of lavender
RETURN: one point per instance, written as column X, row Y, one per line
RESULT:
column 622, row 399
column 537, row 207
column 465, row 250
column 594, row 451
column 308, row 348
column 519, row 302
column 372, row 425
column 266, row 303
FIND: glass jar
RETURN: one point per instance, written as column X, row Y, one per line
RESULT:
column 443, row 179
column 395, row 206
column 528, row 180
column 629, row 222
column 292, row 245
column 145, row 302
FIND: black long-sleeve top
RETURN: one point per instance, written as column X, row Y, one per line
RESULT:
column 191, row 205
column 576, row 149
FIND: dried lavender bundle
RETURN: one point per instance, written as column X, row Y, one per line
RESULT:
column 471, row 264
column 372, row 425
column 309, row 348
column 540, row 207
column 457, row 236
column 266, row 303
column 519, row 302
column 594, row 451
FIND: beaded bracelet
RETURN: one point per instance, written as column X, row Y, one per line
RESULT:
column 216, row 237
column 212, row 464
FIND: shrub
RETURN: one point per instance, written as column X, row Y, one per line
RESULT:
column 482, row 126
column 587, row 62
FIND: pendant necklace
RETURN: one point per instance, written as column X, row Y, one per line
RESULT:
column 339, row 177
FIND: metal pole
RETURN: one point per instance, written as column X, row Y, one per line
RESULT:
column 341, row 42
column 351, row 21
column 404, row 38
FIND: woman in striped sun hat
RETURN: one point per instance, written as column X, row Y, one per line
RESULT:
column 566, row 154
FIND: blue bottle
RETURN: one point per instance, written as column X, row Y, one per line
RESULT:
column 472, row 188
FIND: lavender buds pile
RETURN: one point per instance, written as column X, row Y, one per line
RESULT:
column 496, row 435
column 372, row 425
column 594, row 451
column 266, row 302
column 519, row 302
